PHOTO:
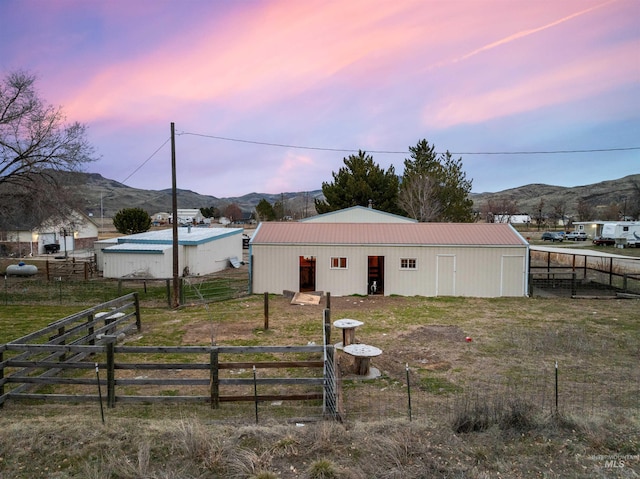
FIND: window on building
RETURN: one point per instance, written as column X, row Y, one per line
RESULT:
column 338, row 263
column 408, row 263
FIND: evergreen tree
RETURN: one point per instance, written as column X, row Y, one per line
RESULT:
column 265, row 211
column 132, row 220
column 434, row 186
column 359, row 182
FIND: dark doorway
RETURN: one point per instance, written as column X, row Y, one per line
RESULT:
column 307, row 273
column 376, row 275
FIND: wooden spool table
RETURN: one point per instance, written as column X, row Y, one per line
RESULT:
column 363, row 354
column 109, row 317
column 348, row 327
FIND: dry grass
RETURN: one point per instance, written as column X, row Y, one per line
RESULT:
column 471, row 420
column 76, row 445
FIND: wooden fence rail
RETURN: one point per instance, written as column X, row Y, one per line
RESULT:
column 63, row 344
column 109, row 353
column 71, row 268
column 62, row 356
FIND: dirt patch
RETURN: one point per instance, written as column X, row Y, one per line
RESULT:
column 221, row 333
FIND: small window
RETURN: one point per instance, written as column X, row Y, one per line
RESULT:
column 338, row 263
column 408, row 263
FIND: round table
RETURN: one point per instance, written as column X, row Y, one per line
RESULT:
column 348, row 327
column 363, row 354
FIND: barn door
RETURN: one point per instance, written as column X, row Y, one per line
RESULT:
column 375, row 275
column 307, row 273
column 445, row 275
column 512, row 276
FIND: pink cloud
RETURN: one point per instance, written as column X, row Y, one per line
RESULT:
column 557, row 62
column 262, row 55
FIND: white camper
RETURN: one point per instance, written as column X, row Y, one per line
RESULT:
column 626, row 233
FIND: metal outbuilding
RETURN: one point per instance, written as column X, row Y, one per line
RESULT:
column 358, row 214
column 200, row 251
column 407, row 259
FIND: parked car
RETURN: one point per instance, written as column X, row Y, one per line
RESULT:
column 576, row 236
column 600, row 240
column 552, row 236
column 51, row 248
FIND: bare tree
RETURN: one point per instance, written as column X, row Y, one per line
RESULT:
column 559, row 213
column 586, row 212
column 506, row 209
column 539, row 217
column 233, row 212
column 611, row 212
column 419, row 198
column 35, row 147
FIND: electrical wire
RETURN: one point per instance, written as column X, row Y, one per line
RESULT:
column 383, row 152
column 393, row 152
column 147, row 160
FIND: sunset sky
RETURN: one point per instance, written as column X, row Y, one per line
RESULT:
column 270, row 96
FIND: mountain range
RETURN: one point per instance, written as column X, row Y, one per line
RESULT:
column 104, row 197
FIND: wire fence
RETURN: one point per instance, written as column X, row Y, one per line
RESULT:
column 37, row 290
column 577, row 392
column 583, row 274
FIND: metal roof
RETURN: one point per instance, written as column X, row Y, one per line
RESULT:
column 450, row 234
column 358, row 214
column 138, row 248
column 186, row 236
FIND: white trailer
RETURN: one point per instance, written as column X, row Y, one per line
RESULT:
column 625, row 233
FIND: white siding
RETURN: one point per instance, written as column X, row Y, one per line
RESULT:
column 150, row 265
column 441, row 270
column 213, row 256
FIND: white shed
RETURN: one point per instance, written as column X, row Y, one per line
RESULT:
column 407, row 259
column 201, row 251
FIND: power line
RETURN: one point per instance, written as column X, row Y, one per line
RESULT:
column 384, row 152
column 146, row 161
column 393, row 152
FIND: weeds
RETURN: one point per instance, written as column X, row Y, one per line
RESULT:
column 473, row 414
column 322, row 469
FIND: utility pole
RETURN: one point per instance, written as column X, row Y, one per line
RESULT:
column 174, row 206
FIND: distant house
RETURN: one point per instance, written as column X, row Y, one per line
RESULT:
column 160, row 218
column 201, row 251
column 76, row 232
column 514, row 219
column 389, row 258
column 186, row 216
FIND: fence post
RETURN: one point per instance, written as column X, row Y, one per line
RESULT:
column 46, row 267
column 169, row 292
column 63, row 356
column 610, row 271
column 91, row 329
column 1, row 376
column 409, row 392
column 556, row 388
column 328, row 300
column 86, row 271
column 215, row 380
column 574, row 286
column 137, row 305
column 111, row 373
column 255, row 391
column 266, row 310
column 327, row 326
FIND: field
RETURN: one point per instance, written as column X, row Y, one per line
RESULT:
column 481, row 408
